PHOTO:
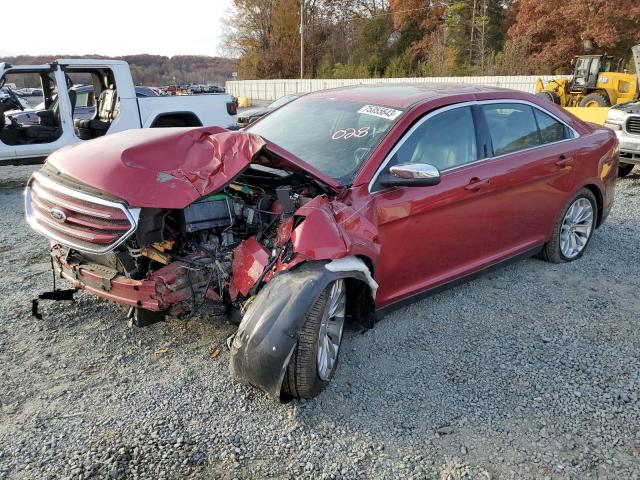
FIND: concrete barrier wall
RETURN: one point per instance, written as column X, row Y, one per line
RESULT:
column 273, row 89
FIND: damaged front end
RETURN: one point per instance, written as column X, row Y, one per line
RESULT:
column 205, row 258
column 203, row 240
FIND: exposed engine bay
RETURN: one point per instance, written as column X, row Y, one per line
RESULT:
column 218, row 251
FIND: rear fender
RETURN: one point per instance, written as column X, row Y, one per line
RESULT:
column 269, row 329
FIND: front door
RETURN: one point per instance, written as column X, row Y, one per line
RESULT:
column 431, row 235
column 21, row 138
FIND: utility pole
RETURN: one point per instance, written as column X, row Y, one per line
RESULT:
column 301, row 38
column 473, row 29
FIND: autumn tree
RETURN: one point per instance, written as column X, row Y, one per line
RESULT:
column 394, row 38
column 556, row 35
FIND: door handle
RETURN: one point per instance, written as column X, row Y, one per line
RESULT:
column 564, row 161
column 475, row 184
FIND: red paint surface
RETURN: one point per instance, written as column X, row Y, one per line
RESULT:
column 249, row 260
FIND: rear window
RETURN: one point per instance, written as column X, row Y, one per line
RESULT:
column 334, row 136
column 516, row 126
column 512, row 127
column 551, row 130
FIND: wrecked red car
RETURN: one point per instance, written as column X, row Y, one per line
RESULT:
column 334, row 208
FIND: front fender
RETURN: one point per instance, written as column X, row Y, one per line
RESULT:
column 268, row 332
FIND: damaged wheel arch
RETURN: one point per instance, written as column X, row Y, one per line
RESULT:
column 268, row 333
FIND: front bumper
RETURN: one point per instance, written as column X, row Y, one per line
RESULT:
column 629, row 147
column 165, row 289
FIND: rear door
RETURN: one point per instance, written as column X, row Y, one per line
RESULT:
column 533, row 157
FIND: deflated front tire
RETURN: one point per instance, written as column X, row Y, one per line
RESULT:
column 315, row 358
column 287, row 324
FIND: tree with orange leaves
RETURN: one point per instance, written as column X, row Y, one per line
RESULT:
column 555, row 35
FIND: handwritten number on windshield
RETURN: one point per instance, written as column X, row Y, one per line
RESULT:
column 348, row 133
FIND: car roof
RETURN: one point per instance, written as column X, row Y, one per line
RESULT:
column 403, row 95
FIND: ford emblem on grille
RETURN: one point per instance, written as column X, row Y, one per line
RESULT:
column 58, row 214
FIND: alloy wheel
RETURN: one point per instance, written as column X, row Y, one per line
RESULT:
column 331, row 327
column 577, row 226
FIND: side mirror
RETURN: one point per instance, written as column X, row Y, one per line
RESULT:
column 411, row 175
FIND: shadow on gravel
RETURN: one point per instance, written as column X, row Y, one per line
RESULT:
column 11, row 184
column 531, row 354
column 16, row 177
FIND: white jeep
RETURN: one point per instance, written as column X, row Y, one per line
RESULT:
column 116, row 108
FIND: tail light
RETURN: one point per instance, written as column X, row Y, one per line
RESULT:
column 232, row 108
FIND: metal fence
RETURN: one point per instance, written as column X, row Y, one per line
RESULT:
column 273, row 89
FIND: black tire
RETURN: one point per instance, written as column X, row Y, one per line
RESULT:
column 549, row 96
column 624, row 169
column 301, row 379
column 598, row 98
column 551, row 251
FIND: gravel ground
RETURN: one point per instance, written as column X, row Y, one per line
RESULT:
column 532, row 371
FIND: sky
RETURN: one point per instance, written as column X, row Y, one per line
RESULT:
column 117, row 27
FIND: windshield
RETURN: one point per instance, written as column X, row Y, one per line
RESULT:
column 334, row 136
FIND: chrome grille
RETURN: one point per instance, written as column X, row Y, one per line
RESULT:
column 633, row 124
column 76, row 219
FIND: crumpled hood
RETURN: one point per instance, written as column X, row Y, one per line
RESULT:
column 168, row 167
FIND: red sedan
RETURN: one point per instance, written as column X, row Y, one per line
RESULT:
column 335, row 208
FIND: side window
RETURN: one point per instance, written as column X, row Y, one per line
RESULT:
column 28, row 128
column 512, row 127
column 594, row 70
column 582, row 70
column 97, row 94
column 551, row 130
column 82, row 99
column 445, row 140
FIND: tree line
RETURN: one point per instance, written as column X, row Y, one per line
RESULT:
column 402, row 38
column 156, row 70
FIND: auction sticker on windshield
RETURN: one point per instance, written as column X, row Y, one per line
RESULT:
column 382, row 112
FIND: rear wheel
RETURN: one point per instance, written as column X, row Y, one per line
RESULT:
column 549, row 96
column 573, row 229
column 624, row 169
column 315, row 358
column 595, row 100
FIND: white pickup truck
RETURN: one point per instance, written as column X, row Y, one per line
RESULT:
column 113, row 97
column 624, row 119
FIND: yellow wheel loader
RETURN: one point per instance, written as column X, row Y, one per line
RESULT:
column 598, row 81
